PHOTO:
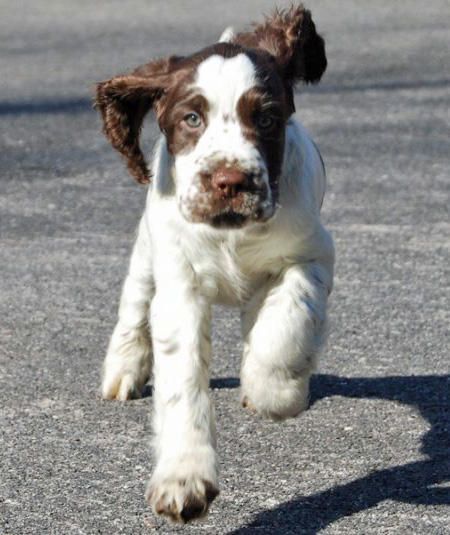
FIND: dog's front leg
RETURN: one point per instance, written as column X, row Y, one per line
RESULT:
column 284, row 327
column 184, row 481
column 128, row 361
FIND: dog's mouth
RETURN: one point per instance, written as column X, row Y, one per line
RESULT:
column 232, row 219
column 229, row 220
column 236, row 214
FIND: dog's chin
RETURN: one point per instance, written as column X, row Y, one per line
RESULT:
column 229, row 217
column 229, row 220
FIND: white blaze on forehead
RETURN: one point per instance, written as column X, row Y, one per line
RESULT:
column 224, row 80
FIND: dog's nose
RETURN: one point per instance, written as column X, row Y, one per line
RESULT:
column 228, row 181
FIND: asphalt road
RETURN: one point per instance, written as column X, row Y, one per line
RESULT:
column 371, row 456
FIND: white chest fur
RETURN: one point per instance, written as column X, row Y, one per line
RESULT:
column 228, row 265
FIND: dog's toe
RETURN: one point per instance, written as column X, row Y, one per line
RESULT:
column 182, row 500
column 193, row 507
column 122, row 388
column 247, row 404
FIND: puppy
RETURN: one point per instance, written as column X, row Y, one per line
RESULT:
column 232, row 217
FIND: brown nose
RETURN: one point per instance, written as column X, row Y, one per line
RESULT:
column 229, row 181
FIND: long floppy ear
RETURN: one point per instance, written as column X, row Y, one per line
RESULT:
column 290, row 36
column 123, row 103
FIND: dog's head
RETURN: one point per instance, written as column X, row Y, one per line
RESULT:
column 223, row 111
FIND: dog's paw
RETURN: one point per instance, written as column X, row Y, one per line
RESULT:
column 127, row 365
column 275, row 398
column 121, row 387
column 181, row 500
column 247, row 404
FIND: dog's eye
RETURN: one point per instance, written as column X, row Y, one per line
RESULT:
column 265, row 121
column 193, row 119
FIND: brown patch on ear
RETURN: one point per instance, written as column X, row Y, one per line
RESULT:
column 290, row 36
column 124, row 101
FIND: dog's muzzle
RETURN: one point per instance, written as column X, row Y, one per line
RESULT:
column 228, row 182
column 243, row 194
column 230, row 197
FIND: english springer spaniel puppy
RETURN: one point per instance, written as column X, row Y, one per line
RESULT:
column 233, row 217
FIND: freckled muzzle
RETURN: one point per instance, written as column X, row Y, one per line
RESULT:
column 229, row 196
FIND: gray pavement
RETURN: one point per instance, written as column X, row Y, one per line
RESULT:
column 371, row 456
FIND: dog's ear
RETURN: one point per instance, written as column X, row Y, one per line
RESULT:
column 123, row 103
column 290, row 36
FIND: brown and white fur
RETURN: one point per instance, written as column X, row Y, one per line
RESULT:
column 232, row 217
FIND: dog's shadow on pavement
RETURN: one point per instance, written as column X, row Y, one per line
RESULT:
column 420, row 482
column 217, row 383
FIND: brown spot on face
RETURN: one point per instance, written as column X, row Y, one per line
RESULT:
column 180, row 99
column 178, row 104
column 263, row 112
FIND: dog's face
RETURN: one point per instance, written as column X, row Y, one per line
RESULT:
column 223, row 111
column 224, row 121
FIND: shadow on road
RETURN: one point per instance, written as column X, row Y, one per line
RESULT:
column 46, row 106
column 420, row 482
column 217, row 383
column 388, row 85
column 85, row 104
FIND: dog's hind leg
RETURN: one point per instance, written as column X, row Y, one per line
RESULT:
column 128, row 361
column 284, row 327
